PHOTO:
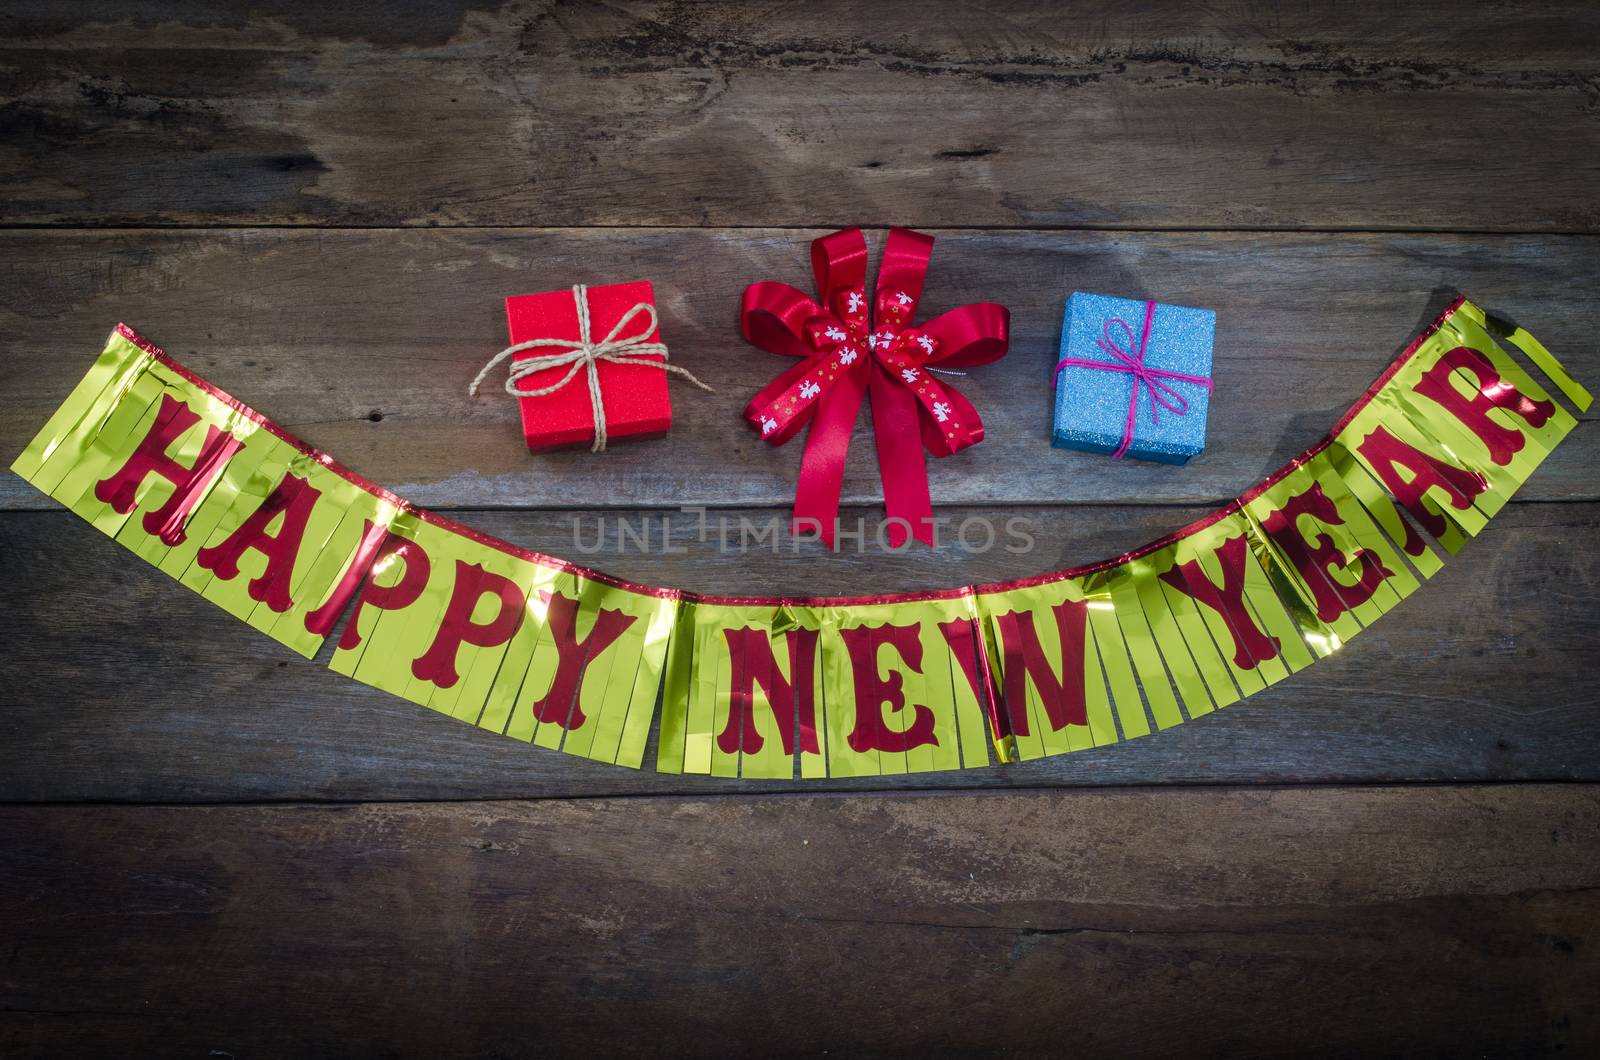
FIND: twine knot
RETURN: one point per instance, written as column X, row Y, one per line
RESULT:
column 583, row 354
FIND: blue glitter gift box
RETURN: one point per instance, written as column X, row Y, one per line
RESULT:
column 1117, row 351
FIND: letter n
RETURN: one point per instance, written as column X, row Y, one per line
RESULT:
column 753, row 664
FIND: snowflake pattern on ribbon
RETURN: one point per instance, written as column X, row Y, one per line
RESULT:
column 901, row 351
column 830, row 337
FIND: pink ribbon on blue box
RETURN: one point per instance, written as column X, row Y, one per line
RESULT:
column 1131, row 360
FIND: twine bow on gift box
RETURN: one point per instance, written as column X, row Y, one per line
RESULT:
column 1133, row 363
column 844, row 355
column 583, row 355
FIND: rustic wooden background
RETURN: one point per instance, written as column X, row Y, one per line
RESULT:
column 211, row 847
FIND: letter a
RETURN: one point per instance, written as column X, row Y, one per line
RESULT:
column 1389, row 457
column 293, row 499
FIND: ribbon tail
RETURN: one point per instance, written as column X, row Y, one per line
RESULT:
column 816, row 495
column 901, row 466
column 1131, row 424
column 967, row 432
column 762, row 404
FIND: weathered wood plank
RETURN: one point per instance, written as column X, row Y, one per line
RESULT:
column 124, row 685
column 328, row 331
column 1159, row 115
column 1454, row 920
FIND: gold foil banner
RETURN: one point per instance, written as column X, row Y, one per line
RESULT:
column 541, row 650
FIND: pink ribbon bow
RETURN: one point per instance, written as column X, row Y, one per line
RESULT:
column 1133, row 363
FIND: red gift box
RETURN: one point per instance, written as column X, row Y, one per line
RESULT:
column 634, row 396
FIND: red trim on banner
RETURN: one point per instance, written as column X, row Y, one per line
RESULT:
column 569, row 567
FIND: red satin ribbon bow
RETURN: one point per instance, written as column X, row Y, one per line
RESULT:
column 844, row 354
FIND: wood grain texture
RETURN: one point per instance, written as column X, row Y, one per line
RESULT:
column 1102, row 115
column 363, row 343
column 342, row 196
column 1436, row 921
column 124, row 685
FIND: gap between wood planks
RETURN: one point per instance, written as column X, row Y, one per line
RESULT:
column 114, row 227
column 1220, row 787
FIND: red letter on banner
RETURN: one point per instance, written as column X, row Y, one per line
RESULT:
column 397, row 597
column 473, row 583
column 1250, row 644
column 368, row 549
column 962, row 634
column 173, row 419
column 965, row 639
column 573, row 657
column 1024, row 658
column 1388, row 455
column 874, row 691
column 1317, row 557
column 1493, row 393
column 293, row 498
column 752, row 661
